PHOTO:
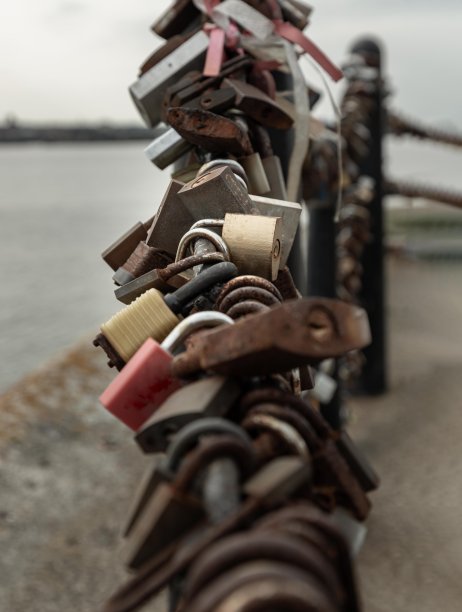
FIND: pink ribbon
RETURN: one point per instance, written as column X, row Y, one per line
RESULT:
column 215, row 52
column 294, row 35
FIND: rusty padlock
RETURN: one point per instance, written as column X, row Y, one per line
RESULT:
column 119, row 251
column 213, row 132
column 143, row 259
column 295, row 333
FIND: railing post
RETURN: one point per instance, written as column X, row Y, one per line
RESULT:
column 373, row 378
column 322, row 279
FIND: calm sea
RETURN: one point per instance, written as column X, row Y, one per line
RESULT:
column 61, row 205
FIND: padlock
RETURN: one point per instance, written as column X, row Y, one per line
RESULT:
column 148, row 90
column 210, row 131
column 168, row 514
column 119, row 251
column 270, row 162
column 155, row 528
column 171, row 221
column 143, row 259
column 167, row 149
column 211, row 396
column 215, row 193
column 178, row 17
column 194, row 85
column 290, row 214
column 254, row 243
column 153, row 315
column 162, row 52
column 157, row 472
column 166, row 466
column 273, row 170
column 258, row 181
column 292, row 334
column 258, row 106
column 216, row 101
column 145, row 382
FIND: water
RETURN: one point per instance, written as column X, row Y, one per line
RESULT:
column 61, row 205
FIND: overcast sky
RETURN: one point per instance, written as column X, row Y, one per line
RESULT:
column 72, row 60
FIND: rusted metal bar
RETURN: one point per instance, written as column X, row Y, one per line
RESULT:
column 426, row 192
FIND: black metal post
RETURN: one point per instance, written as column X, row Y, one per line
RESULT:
column 322, row 279
column 372, row 297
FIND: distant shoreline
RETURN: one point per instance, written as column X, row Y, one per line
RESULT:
column 45, row 134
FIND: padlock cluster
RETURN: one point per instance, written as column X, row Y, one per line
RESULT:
column 252, row 501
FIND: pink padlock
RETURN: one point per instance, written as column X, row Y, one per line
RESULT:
column 146, row 380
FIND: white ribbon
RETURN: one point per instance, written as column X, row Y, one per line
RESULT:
column 301, row 125
column 240, row 12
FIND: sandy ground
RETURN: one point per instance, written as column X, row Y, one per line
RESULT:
column 68, row 470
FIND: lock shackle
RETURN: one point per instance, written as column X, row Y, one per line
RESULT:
column 189, row 436
column 217, row 273
column 216, row 448
column 280, row 429
column 234, row 165
column 194, row 234
column 208, row 223
column 198, row 320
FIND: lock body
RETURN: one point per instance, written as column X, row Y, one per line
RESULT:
column 147, row 92
column 142, row 386
column 254, row 243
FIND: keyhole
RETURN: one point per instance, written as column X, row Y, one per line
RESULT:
column 321, row 325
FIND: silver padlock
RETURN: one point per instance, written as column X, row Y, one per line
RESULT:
column 167, row 149
column 148, row 91
column 289, row 212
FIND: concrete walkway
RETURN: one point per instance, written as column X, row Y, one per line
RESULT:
column 412, row 560
column 68, row 470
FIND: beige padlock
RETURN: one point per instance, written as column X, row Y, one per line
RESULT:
column 254, row 243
